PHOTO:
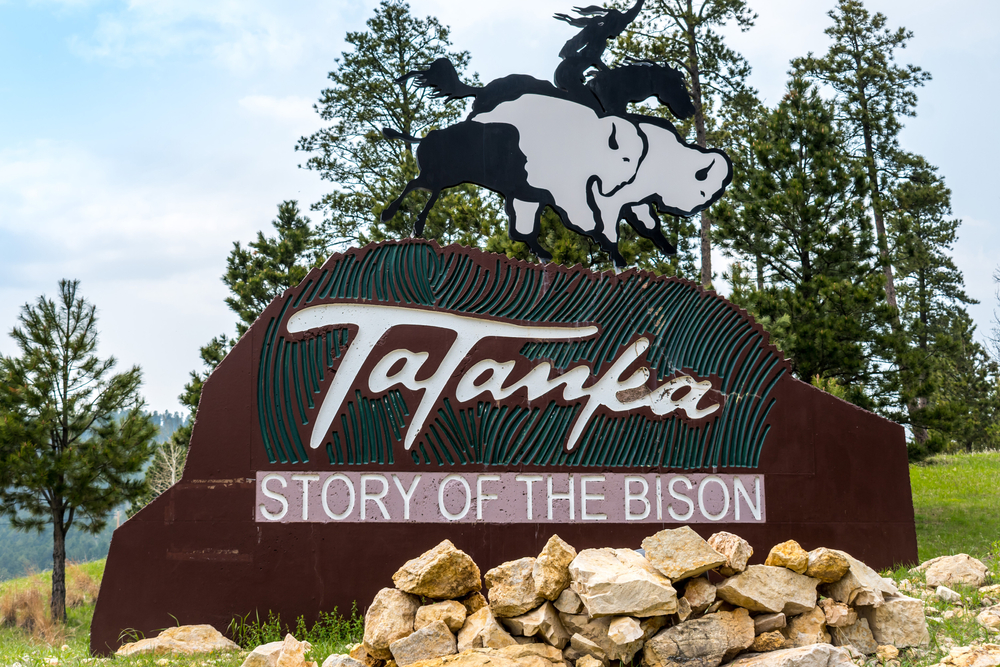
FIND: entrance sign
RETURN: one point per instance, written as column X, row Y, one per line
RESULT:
column 405, row 393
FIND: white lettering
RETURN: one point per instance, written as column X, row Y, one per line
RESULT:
column 561, row 496
column 273, row 495
column 701, row 498
column 584, row 497
column 641, row 496
column 528, row 481
column 673, row 494
column 407, row 494
column 380, row 381
column 480, row 496
column 738, row 489
column 350, row 494
column 376, row 498
column 659, row 499
column 468, row 497
column 305, row 479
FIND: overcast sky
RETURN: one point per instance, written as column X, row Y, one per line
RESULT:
column 139, row 139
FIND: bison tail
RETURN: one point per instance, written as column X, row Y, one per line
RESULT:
column 442, row 78
column 390, row 133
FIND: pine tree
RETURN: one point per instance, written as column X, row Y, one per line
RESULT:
column 65, row 460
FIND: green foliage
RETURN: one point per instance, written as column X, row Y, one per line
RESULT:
column 332, row 633
column 65, row 459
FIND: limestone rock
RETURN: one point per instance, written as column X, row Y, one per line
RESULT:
column 473, row 602
column 358, row 653
column 680, row 553
column 736, row 550
column 987, row 655
column 341, row 660
column 588, row 661
column 838, row 614
column 861, row 585
column 580, row 646
column 293, row 652
column 899, row 621
column 624, row 630
column 183, row 640
column 431, row 641
column 989, row 617
column 990, row 590
column 597, row 630
column 443, row 572
column 551, row 568
column 704, row 642
column 814, row 655
column 887, row 652
column 620, row 582
column 683, row 609
column 568, row 602
column 700, row 594
column 808, row 628
column 543, row 622
column 481, row 630
column 945, row 594
column 957, row 569
column 768, row 641
column 768, row 623
column 770, row 589
column 788, row 554
column 390, row 617
column 858, row 635
column 451, row 612
column 827, row 565
column 527, row 655
column 512, row 589
column 265, row 655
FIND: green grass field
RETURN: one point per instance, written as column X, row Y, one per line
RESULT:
column 956, row 502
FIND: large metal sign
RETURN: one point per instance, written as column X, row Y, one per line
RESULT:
column 406, row 393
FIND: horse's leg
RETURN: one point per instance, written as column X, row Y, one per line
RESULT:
column 391, row 209
column 418, row 228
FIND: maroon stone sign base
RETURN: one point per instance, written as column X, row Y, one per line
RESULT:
column 835, row 476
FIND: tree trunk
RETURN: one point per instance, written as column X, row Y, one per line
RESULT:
column 58, row 605
column 702, row 140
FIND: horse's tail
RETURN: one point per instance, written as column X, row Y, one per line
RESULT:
column 390, row 133
column 442, row 78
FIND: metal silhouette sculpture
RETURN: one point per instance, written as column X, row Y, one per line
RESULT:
column 571, row 145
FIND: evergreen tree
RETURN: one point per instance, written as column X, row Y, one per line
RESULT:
column 369, row 171
column 65, row 461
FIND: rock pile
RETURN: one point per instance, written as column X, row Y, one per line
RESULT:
column 681, row 601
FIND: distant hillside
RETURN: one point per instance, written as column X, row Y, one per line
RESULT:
column 21, row 553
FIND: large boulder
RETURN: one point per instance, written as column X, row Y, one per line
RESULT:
column 807, row 628
column 551, row 569
column 771, row 589
column 898, row 621
column 542, row 622
column 431, row 641
column 390, row 617
column 620, row 582
column 181, row 640
column 512, row 590
column 680, row 553
column 736, row 550
column 481, row 630
column 266, row 655
column 814, row 655
column 441, row 573
column 951, row 570
column 788, row 554
column 827, row 565
column 858, row 635
column 860, row 585
column 704, row 642
column 451, row 612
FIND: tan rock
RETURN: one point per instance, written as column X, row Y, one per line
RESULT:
column 542, row 622
column 527, row 655
column 861, row 585
column 360, row 654
column 680, row 553
column 265, row 655
column 624, row 630
column 827, row 565
column 551, row 568
column 700, row 594
column 736, row 550
column 788, row 554
column 768, row 641
column 588, row 661
column 814, row 655
column 683, row 609
column 451, row 612
column 990, row 590
column 620, row 582
column 512, row 589
column 704, row 642
column 181, row 640
column 580, row 646
column 390, row 617
column 807, row 628
column 957, row 569
column 768, row 623
column 858, row 636
column 431, row 641
column 293, row 653
column 481, row 630
column 341, row 660
column 568, row 602
column 989, row 618
column 887, row 652
column 597, row 630
column 770, row 589
column 987, row 655
column 838, row 614
column 945, row 594
column 442, row 572
column 473, row 602
column 899, row 621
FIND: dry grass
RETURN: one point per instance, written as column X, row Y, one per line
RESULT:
column 26, row 605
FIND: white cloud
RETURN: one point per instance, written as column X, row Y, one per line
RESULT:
column 291, row 109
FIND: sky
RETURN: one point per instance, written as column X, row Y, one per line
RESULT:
column 140, row 139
